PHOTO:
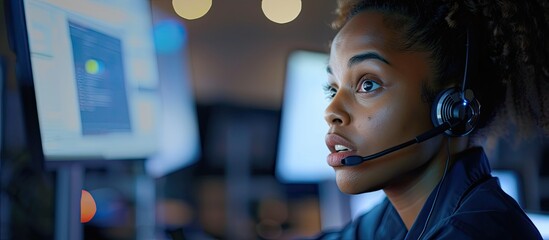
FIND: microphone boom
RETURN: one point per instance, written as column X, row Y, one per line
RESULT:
column 355, row 160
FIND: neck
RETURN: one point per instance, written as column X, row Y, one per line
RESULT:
column 410, row 194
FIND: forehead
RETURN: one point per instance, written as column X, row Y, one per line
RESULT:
column 368, row 29
column 372, row 32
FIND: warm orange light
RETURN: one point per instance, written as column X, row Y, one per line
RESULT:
column 87, row 207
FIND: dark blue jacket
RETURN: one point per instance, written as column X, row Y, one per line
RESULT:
column 470, row 205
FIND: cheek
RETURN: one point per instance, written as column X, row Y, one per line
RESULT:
column 388, row 126
column 405, row 118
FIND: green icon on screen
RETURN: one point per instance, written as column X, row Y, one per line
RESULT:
column 93, row 66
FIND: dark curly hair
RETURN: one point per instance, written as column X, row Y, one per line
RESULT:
column 510, row 72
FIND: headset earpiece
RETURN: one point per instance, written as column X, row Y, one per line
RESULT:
column 455, row 107
column 458, row 106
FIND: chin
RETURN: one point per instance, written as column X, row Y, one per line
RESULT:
column 350, row 183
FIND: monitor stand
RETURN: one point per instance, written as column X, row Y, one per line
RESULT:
column 70, row 180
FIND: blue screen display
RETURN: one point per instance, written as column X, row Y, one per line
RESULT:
column 100, row 81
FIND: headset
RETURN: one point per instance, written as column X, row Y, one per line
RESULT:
column 457, row 105
column 454, row 112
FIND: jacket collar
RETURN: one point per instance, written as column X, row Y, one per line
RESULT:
column 470, row 169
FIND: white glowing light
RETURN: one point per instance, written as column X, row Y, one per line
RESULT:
column 191, row 9
column 281, row 11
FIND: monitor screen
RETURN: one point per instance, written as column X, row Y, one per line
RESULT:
column 541, row 221
column 509, row 181
column 94, row 76
column 302, row 150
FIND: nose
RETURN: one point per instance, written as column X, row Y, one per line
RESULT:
column 337, row 111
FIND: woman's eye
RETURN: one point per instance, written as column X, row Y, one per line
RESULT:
column 329, row 92
column 368, row 85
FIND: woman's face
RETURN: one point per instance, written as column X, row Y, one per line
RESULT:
column 376, row 103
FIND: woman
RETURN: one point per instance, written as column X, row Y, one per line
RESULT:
column 390, row 64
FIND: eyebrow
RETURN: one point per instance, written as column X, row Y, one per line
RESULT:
column 361, row 58
column 365, row 56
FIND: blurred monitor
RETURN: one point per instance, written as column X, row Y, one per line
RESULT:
column 302, row 151
column 510, row 183
column 89, row 79
column 542, row 223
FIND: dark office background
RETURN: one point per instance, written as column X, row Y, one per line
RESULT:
column 238, row 62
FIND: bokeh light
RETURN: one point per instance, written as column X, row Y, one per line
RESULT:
column 169, row 36
column 87, row 207
column 191, row 9
column 281, row 11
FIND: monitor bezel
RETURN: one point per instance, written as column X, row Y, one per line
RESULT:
column 18, row 40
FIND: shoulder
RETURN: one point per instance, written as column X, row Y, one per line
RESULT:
column 487, row 212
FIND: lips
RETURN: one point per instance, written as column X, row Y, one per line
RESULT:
column 340, row 148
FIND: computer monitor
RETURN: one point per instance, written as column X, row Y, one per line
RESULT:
column 88, row 78
column 302, row 152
